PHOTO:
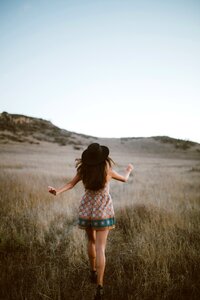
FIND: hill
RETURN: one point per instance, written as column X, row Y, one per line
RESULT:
column 21, row 129
column 16, row 129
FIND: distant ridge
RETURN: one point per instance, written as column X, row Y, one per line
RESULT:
column 16, row 128
column 21, row 128
column 178, row 143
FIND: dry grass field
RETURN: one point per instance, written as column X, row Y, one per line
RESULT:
column 152, row 254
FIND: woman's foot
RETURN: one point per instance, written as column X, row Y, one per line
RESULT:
column 99, row 293
column 93, row 276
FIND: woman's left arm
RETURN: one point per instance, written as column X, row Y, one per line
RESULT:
column 123, row 178
column 69, row 185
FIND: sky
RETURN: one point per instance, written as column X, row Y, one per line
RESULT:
column 106, row 68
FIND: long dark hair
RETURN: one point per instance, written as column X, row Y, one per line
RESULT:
column 93, row 176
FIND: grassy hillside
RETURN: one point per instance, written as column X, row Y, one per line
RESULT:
column 152, row 254
column 25, row 129
column 19, row 129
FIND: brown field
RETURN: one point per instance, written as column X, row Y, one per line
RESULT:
column 152, row 254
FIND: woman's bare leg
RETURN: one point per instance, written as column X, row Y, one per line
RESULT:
column 91, row 234
column 101, row 238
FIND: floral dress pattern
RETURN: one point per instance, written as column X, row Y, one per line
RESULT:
column 96, row 210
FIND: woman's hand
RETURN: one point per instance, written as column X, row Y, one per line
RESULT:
column 129, row 168
column 52, row 190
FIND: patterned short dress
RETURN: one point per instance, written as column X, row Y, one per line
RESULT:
column 96, row 210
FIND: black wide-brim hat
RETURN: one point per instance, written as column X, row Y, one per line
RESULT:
column 95, row 154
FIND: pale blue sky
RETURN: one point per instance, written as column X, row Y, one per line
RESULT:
column 106, row 68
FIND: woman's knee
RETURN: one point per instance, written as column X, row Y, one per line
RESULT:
column 91, row 244
column 100, row 249
column 92, row 240
column 101, row 240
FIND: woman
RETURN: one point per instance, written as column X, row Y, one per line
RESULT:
column 96, row 213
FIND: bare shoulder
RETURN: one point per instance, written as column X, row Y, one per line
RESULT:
column 109, row 173
column 115, row 175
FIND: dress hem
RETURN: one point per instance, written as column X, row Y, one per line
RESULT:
column 97, row 228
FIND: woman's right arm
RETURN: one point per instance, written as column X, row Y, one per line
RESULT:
column 124, row 178
column 69, row 185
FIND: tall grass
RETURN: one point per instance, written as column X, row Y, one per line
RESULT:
column 152, row 254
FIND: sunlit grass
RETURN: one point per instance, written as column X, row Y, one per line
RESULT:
column 152, row 254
